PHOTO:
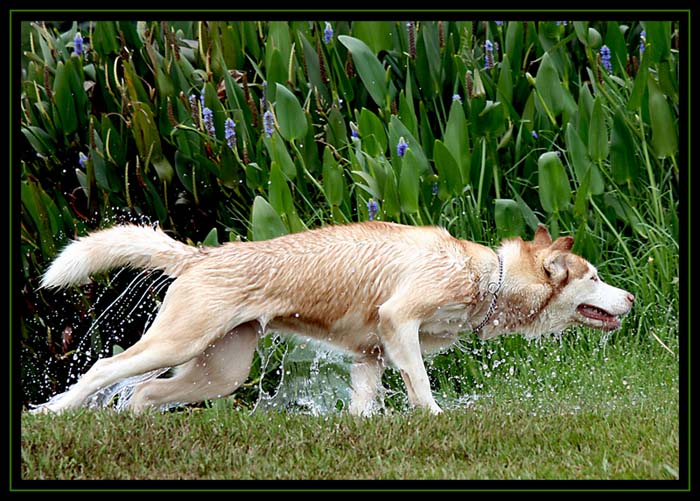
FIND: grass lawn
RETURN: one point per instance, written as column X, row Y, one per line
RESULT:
column 575, row 409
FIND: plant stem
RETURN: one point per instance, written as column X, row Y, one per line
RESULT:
column 481, row 174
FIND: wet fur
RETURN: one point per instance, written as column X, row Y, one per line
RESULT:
column 382, row 292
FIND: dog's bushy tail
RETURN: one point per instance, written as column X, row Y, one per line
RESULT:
column 128, row 245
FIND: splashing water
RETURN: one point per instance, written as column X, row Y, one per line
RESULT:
column 139, row 299
column 313, row 379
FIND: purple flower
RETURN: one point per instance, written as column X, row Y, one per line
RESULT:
column 353, row 130
column 456, row 97
column 435, row 188
column 230, row 133
column 328, row 32
column 201, row 97
column 642, row 41
column 488, row 56
column 372, row 208
column 401, row 147
column 605, row 56
column 78, row 44
column 82, row 158
column 269, row 123
column 499, row 23
column 559, row 23
column 208, row 118
column 534, row 134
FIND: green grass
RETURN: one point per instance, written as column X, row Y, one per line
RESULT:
column 571, row 409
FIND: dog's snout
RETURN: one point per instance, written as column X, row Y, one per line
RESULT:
column 630, row 297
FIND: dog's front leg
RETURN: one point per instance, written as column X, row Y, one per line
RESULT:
column 402, row 345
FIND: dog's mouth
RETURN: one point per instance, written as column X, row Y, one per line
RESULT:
column 607, row 321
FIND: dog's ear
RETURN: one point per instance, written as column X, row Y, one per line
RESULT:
column 555, row 267
column 542, row 236
column 563, row 244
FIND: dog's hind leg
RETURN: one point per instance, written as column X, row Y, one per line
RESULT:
column 366, row 375
column 182, row 330
column 217, row 372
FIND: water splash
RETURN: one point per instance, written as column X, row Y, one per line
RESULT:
column 313, row 379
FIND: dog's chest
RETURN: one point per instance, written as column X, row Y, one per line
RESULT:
column 448, row 320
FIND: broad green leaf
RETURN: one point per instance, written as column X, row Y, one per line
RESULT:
column 639, row 87
column 115, row 149
column 333, row 179
column 147, row 138
column 664, row 138
column 428, row 33
column 514, row 43
column 585, row 109
column 549, row 86
column 491, row 120
column 212, row 238
column 582, row 162
column 391, row 203
column 279, row 194
column 581, row 28
column 553, row 184
column 255, row 177
column 581, row 197
column 378, row 35
column 278, row 40
column 527, row 213
column 369, row 125
column 618, row 48
column 426, row 133
column 598, row 133
column 407, row 115
column 336, row 129
column 104, row 38
column 594, row 40
column 290, row 116
column 409, row 183
column 183, row 168
column 278, row 151
column 39, row 140
column 397, row 130
column 658, row 47
column 134, row 86
column 509, row 218
column 369, row 68
column 313, row 68
column 31, row 201
column 276, row 73
column 451, row 182
column 63, row 96
column 265, row 222
column 623, row 160
column 457, row 139
column 667, row 80
column 505, row 81
column 154, row 200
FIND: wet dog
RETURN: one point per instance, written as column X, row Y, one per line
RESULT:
column 383, row 292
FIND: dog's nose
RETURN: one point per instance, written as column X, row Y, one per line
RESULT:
column 630, row 298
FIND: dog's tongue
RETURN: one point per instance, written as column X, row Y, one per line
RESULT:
column 592, row 312
column 597, row 314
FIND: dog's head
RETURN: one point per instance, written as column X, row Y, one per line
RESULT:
column 548, row 288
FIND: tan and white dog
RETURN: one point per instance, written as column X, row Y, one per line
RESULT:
column 382, row 292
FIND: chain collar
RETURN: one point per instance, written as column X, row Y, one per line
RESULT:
column 493, row 289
